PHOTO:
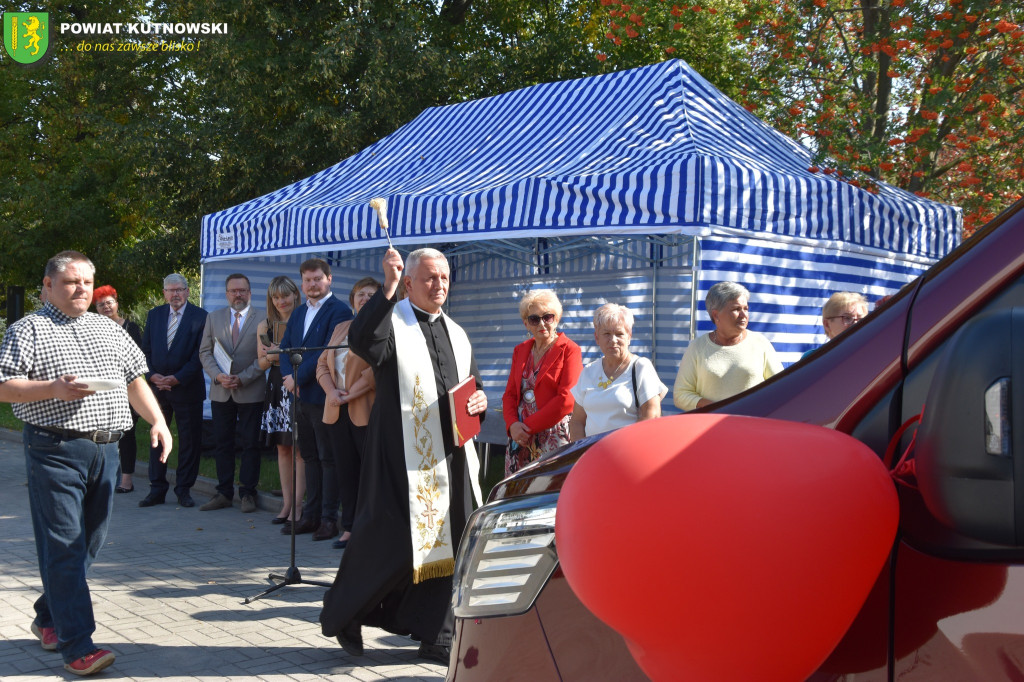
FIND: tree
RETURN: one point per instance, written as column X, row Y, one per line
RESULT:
column 926, row 95
column 701, row 34
column 75, row 172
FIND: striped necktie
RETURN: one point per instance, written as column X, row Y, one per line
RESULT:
column 172, row 328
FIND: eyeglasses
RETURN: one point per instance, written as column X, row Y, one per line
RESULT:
column 238, row 292
column 546, row 318
column 847, row 319
column 175, row 291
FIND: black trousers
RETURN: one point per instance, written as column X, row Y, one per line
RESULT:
column 128, row 449
column 189, row 417
column 233, row 420
column 346, row 442
column 314, row 447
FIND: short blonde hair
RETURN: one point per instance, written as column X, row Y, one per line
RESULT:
column 536, row 297
column 611, row 313
column 840, row 300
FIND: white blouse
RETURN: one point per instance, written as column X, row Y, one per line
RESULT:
column 612, row 405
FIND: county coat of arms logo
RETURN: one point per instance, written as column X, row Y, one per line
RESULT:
column 26, row 35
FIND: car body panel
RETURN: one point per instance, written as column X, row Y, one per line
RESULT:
column 940, row 610
column 496, row 649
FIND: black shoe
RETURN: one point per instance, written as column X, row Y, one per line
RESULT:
column 327, row 530
column 305, row 525
column 279, row 520
column 186, row 500
column 150, row 500
column 351, row 640
column 286, row 527
column 122, row 489
column 435, row 652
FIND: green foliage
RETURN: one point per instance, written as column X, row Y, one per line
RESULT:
column 701, row 34
column 504, row 46
column 78, row 174
column 120, row 154
column 927, row 95
column 7, row 418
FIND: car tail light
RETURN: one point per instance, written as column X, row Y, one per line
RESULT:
column 507, row 555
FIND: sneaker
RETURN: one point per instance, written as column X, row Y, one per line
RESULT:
column 91, row 663
column 218, row 502
column 248, row 504
column 47, row 637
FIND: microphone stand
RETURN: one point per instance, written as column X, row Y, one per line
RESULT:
column 292, row 576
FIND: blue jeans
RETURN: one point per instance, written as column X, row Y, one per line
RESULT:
column 71, row 492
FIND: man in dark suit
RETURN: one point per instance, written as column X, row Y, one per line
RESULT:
column 237, row 388
column 171, row 344
column 311, row 326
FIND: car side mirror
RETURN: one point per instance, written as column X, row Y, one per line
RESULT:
column 970, row 444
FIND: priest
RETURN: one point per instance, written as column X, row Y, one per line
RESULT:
column 417, row 487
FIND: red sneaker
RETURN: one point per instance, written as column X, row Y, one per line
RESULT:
column 47, row 637
column 91, row 663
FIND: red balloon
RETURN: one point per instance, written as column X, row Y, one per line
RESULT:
column 724, row 547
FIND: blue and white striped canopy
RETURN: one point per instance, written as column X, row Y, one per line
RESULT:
column 652, row 150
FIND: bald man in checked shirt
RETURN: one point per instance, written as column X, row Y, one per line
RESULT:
column 48, row 361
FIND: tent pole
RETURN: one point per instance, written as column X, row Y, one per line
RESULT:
column 656, row 252
column 694, row 279
column 202, row 283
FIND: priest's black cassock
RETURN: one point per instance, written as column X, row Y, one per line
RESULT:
column 374, row 585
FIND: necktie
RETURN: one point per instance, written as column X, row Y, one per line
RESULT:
column 234, row 329
column 172, row 328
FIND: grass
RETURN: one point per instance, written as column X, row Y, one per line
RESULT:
column 7, row 418
column 270, row 477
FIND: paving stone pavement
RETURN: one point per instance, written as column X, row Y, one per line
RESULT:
column 167, row 590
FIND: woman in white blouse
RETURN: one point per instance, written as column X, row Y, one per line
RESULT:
column 620, row 388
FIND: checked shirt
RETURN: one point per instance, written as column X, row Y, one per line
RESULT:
column 48, row 344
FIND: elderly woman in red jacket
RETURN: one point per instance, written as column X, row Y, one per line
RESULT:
column 538, row 397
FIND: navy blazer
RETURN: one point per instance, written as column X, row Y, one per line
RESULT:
column 180, row 360
column 332, row 311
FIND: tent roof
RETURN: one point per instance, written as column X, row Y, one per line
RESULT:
column 651, row 150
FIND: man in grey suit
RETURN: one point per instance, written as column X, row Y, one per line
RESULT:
column 237, row 386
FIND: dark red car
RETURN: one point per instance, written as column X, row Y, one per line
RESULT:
column 950, row 603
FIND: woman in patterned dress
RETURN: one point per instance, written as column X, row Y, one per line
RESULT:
column 275, row 424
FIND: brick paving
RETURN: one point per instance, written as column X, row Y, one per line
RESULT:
column 168, row 590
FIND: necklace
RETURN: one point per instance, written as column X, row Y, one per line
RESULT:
column 611, row 377
column 540, row 353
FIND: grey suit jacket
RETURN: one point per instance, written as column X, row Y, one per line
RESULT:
column 244, row 363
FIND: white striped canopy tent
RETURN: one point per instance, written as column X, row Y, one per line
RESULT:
column 643, row 187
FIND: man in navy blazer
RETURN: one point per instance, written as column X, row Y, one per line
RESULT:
column 310, row 326
column 171, row 344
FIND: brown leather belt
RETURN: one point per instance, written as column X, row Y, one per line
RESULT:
column 99, row 436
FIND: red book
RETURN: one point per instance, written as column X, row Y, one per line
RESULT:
column 464, row 425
